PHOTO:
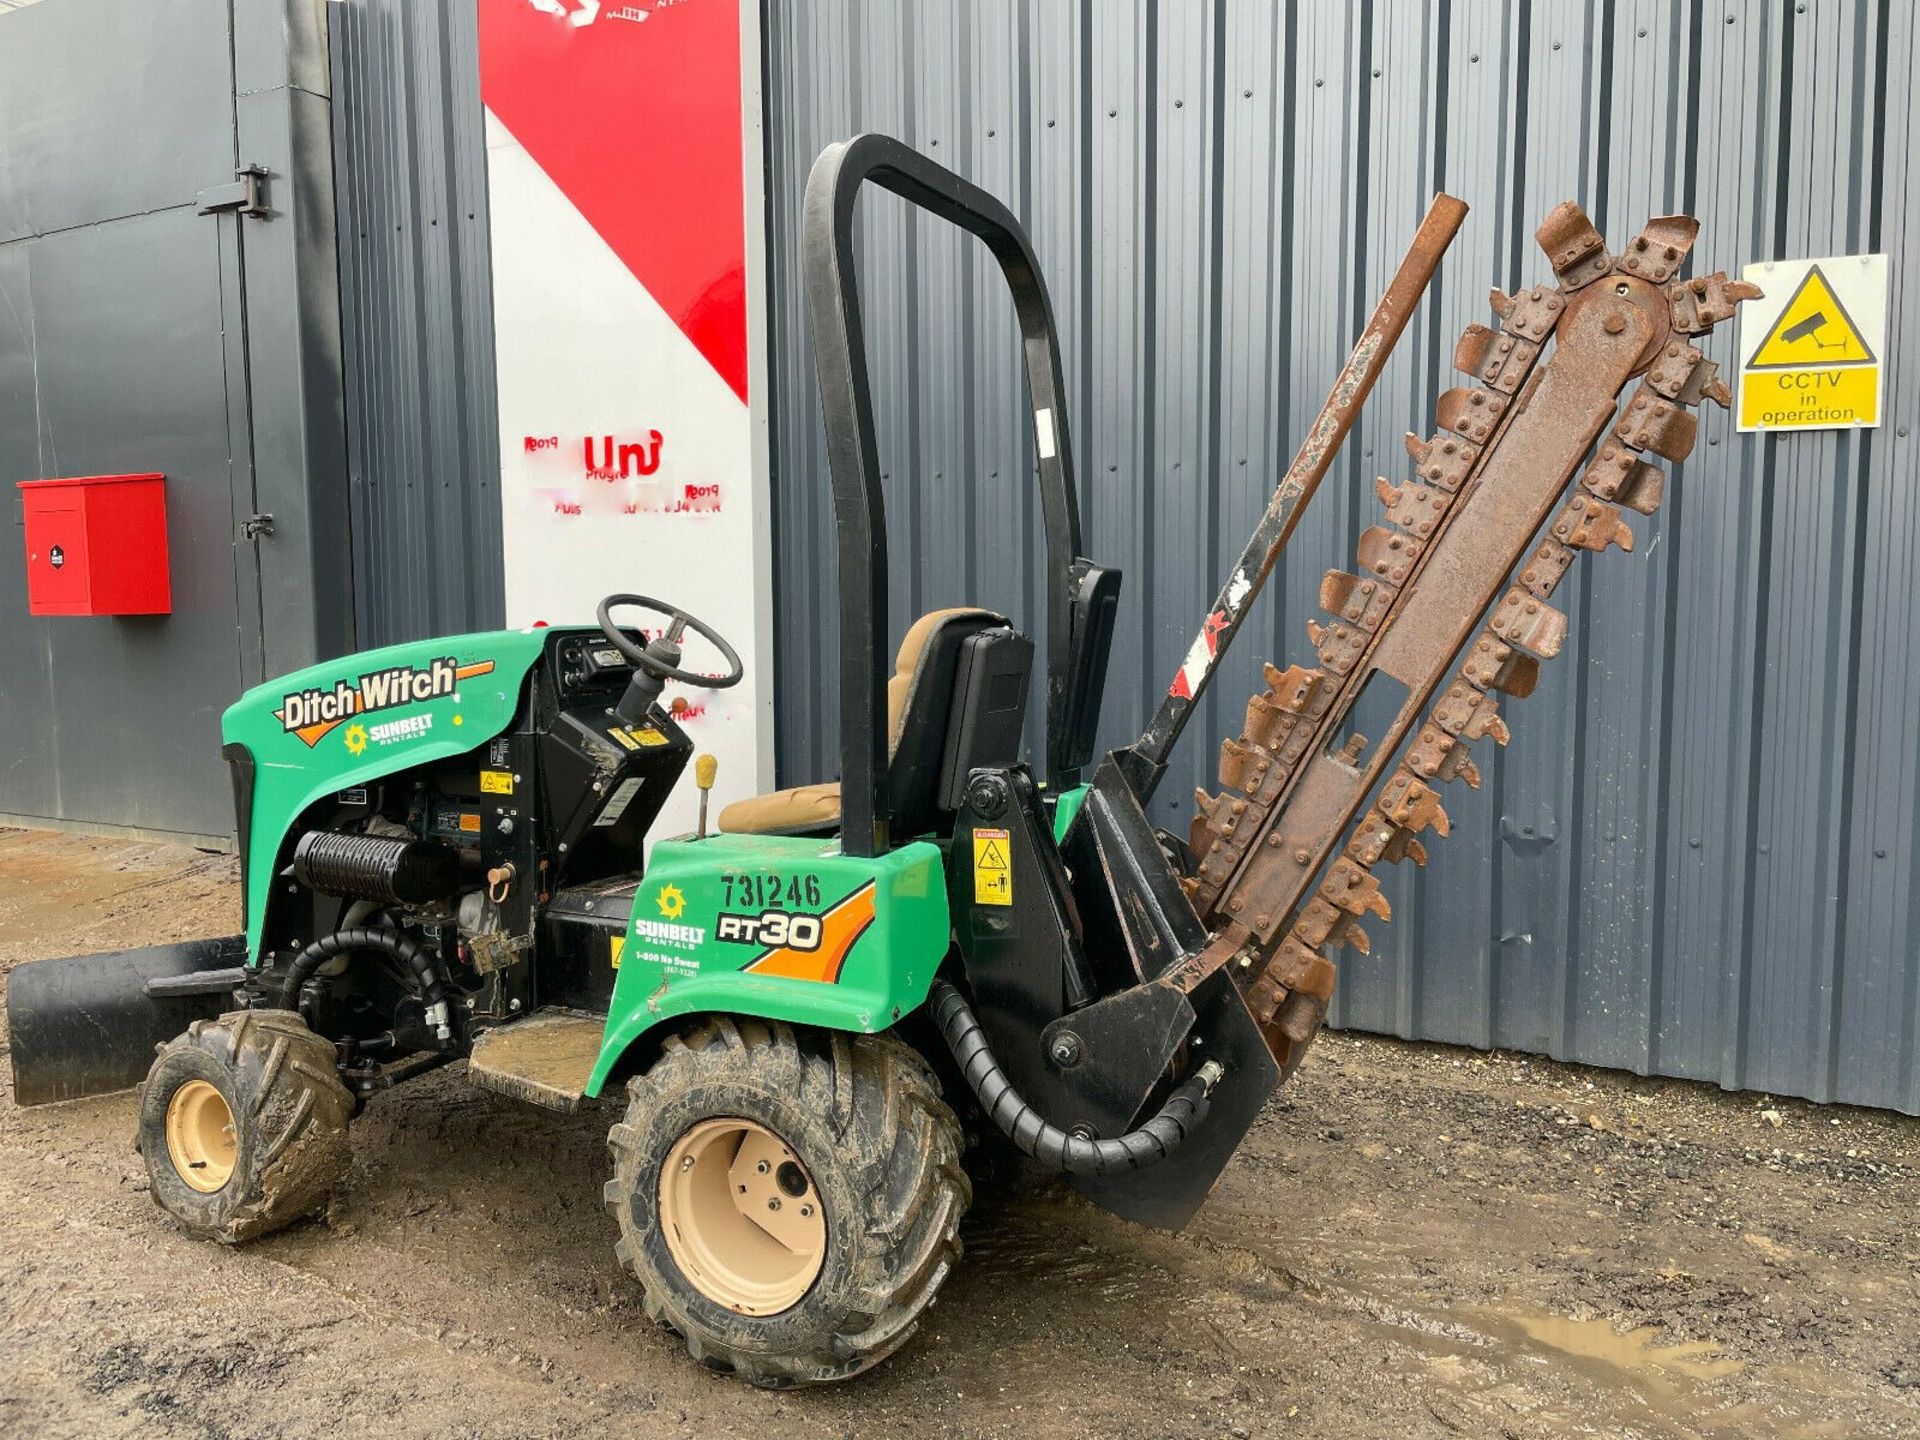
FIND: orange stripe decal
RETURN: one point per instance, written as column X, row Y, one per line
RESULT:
column 840, row 927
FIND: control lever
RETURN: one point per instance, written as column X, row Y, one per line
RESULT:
column 704, row 770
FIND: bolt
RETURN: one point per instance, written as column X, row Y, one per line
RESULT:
column 806, row 1212
column 1065, row 1049
column 686, row 1164
column 1613, row 324
column 763, row 1167
column 1302, row 855
column 773, row 1202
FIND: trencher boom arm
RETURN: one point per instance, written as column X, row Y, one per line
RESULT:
column 1506, row 453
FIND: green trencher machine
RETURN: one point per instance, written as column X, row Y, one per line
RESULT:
column 815, row 1012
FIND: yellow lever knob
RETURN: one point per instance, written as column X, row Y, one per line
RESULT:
column 704, row 769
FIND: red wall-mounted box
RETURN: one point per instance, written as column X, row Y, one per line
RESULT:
column 97, row 546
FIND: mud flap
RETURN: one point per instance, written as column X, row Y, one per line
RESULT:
column 88, row 1024
column 1167, row 1195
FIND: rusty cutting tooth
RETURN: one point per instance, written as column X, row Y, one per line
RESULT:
column 1577, row 251
column 1294, row 688
column 1266, row 723
column 1496, row 358
column 1445, row 460
column 1534, row 314
column 1660, row 249
column 1357, row 601
column 1493, row 664
column 1592, row 524
column 1470, row 713
column 1243, row 767
column 1415, row 508
column 1532, row 624
column 1349, row 888
column 1619, row 474
column 1470, row 414
column 1700, row 304
column 1544, row 571
column 1299, row 967
column 1651, row 422
column 1387, row 553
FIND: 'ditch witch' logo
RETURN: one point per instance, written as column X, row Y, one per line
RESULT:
column 312, row 713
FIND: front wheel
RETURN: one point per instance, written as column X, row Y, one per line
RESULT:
column 243, row 1124
column 789, row 1200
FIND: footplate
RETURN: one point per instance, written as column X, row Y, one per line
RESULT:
column 544, row 1059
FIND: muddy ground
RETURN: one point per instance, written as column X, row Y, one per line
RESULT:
column 1414, row 1241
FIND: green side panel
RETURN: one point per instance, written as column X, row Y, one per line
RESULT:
column 347, row 721
column 779, row 926
column 1064, row 809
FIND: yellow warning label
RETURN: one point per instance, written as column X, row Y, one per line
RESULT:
column 1814, row 330
column 1810, row 399
column 1815, row 343
column 992, row 878
column 496, row 782
column 619, row 944
column 634, row 739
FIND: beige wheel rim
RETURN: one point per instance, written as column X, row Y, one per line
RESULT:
column 741, row 1217
column 200, row 1139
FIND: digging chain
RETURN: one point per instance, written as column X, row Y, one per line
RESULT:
column 1506, row 452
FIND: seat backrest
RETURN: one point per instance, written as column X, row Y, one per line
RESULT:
column 921, row 701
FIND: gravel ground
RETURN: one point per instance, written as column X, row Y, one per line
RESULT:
column 1414, row 1241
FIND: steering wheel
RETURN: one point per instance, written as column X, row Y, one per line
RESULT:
column 658, row 661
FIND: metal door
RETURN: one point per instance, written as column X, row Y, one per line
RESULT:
column 130, row 340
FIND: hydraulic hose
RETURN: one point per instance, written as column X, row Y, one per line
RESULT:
column 425, row 970
column 1049, row 1144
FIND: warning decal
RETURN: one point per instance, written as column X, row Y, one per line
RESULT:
column 1814, row 344
column 992, row 877
column 1814, row 328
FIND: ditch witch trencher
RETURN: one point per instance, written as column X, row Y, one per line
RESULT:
column 808, row 1011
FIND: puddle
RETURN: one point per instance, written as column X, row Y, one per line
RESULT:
column 1628, row 1350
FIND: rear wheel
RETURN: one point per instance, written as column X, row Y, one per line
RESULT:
column 789, row 1200
column 243, row 1124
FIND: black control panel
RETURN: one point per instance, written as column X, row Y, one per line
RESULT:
column 588, row 663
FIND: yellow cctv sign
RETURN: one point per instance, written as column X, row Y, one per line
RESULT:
column 1815, row 344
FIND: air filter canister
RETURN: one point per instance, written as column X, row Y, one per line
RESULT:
column 376, row 867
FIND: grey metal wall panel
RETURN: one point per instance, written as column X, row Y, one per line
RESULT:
column 1699, row 856
column 137, row 334
column 417, row 311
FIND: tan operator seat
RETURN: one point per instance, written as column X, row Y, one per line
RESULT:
column 815, row 807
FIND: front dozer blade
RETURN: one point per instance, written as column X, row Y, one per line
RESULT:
column 1167, row 1195
column 88, row 1024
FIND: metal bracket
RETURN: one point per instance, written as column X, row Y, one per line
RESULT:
column 254, row 526
column 244, row 194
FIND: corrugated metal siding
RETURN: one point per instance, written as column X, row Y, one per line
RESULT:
column 1700, row 853
column 417, row 306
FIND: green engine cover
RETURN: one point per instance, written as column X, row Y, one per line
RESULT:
column 779, row 926
column 344, row 722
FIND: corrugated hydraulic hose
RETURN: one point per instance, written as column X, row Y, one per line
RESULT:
column 1049, row 1144
column 425, row 971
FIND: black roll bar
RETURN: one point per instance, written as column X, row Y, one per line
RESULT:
column 840, row 361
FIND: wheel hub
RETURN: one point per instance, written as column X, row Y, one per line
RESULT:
column 741, row 1217
column 200, row 1136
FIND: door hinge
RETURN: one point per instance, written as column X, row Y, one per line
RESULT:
column 245, row 193
column 254, row 526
